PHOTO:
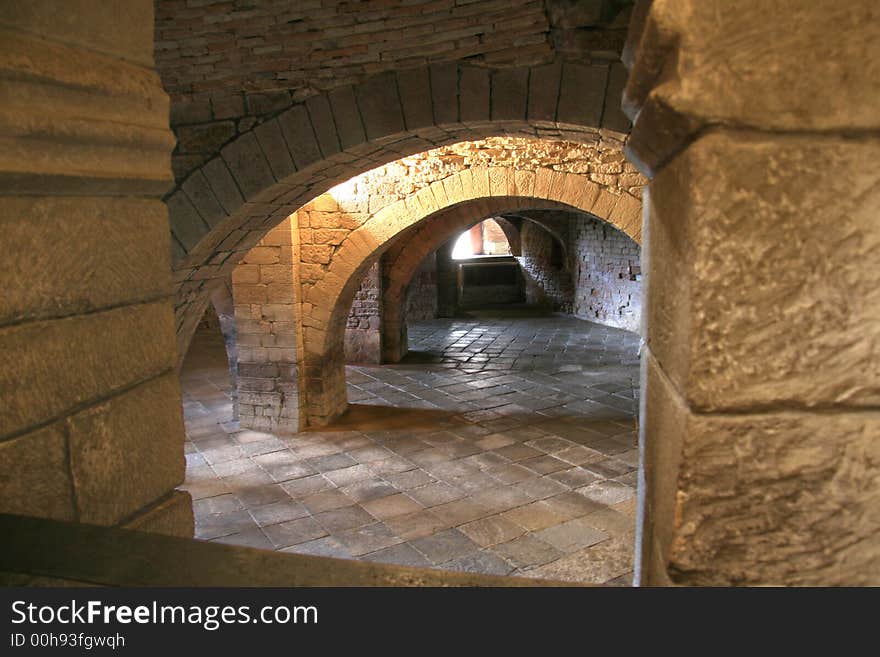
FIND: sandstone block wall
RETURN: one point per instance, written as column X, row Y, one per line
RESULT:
column 267, row 314
column 91, row 426
column 760, row 376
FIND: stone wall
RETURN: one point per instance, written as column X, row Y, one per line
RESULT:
column 267, row 314
column 225, row 207
column 606, row 272
column 421, row 293
column 357, row 221
column 547, row 281
column 760, row 451
column 91, row 424
column 328, row 220
column 229, row 65
column 363, row 335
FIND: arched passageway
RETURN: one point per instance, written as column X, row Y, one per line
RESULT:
column 222, row 209
column 434, row 214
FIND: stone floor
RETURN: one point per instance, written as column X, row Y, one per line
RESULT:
column 504, row 443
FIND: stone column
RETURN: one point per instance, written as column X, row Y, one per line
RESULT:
column 224, row 306
column 761, row 376
column 447, row 281
column 91, row 423
column 265, row 290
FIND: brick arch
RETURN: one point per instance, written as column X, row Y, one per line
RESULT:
column 222, row 209
column 404, row 258
column 406, row 254
column 478, row 191
column 511, row 233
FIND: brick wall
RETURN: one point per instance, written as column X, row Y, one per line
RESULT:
column 363, row 336
column 547, row 280
column 421, row 294
column 603, row 263
column 227, row 64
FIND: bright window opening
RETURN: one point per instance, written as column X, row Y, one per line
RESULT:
column 485, row 239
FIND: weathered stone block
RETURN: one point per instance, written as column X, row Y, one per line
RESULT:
column 127, row 451
column 263, row 255
column 186, row 223
column 206, row 138
column 173, row 516
column 826, row 83
column 474, row 94
column 613, row 118
column 582, row 94
column 380, row 106
column 73, row 255
column 444, row 93
column 297, row 129
column 34, row 476
column 415, row 98
column 248, row 165
column 113, row 350
column 783, row 497
column 223, row 185
column 760, row 245
column 544, row 92
column 199, row 192
column 275, row 148
column 349, row 127
column 510, row 94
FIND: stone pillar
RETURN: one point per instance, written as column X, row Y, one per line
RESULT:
column 761, row 376
column 91, row 423
column 363, row 331
column 447, row 281
column 267, row 313
column 224, row 306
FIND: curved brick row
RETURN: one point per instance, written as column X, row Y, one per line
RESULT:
column 440, row 209
column 222, row 209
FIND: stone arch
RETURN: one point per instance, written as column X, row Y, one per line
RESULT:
column 222, row 209
column 547, row 264
column 486, row 191
column 511, row 233
column 404, row 258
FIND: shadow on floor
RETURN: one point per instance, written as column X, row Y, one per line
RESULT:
column 370, row 417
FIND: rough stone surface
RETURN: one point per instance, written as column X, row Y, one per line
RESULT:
column 760, row 377
column 743, row 273
column 113, row 350
column 269, row 333
column 125, row 453
column 75, row 255
column 172, row 515
column 832, row 87
column 363, row 335
column 84, row 261
column 35, row 477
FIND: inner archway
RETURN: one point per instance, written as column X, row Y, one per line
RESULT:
column 396, row 502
